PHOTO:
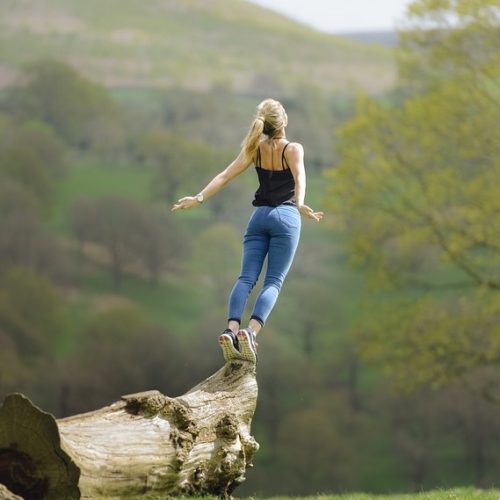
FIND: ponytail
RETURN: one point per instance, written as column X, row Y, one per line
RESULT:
column 270, row 118
column 251, row 141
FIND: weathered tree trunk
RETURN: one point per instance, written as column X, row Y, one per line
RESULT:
column 5, row 494
column 146, row 444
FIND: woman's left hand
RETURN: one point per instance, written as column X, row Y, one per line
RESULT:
column 308, row 212
column 185, row 203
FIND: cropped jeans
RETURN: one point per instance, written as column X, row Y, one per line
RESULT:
column 273, row 232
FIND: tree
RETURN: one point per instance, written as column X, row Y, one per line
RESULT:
column 134, row 237
column 32, row 312
column 24, row 242
column 181, row 164
column 157, row 244
column 416, row 193
column 449, row 38
column 33, row 156
column 118, row 340
column 106, row 221
column 56, row 94
column 216, row 259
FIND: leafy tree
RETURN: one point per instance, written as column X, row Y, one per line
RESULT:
column 216, row 259
column 128, row 352
column 175, row 161
column 23, row 239
column 131, row 234
column 475, row 422
column 283, row 387
column 32, row 312
column 449, row 38
column 313, row 451
column 14, row 374
column 107, row 221
column 181, row 164
column 416, row 193
column 34, row 156
column 14, row 197
column 156, row 244
column 56, row 94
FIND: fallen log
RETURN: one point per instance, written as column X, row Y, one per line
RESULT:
column 145, row 444
column 5, row 494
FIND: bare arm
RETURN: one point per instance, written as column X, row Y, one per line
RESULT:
column 235, row 168
column 295, row 159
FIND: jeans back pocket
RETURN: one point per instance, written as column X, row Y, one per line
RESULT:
column 290, row 217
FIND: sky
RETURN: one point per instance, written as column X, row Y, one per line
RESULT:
column 340, row 16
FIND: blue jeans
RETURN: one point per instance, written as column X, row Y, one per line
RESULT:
column 273, row 232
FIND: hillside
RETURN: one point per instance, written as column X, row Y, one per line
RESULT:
column 196, row 44
column 387, row 38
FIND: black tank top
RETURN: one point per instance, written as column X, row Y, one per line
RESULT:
column 276, row 187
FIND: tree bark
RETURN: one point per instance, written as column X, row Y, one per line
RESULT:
column 146, row 444
column 5, row 494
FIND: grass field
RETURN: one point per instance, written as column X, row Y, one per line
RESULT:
column 456, row 494
column 453, row 494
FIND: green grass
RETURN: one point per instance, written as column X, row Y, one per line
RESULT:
column 453, row 494
column 95, row 181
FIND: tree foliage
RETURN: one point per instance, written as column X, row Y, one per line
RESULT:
column 216, row 259
column 56, row 94
column 449, row 38
column 24, row 241
column 134, row 237
column 32, row 155
column 417, row 193
column 32, row 312
column 181, row 164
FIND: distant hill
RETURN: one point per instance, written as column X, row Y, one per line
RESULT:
column 195, row 44
column 387, row 38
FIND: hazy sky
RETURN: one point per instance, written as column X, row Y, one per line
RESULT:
column 336, row 16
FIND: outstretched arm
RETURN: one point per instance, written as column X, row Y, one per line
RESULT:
column 295, row 158
column 236, row 167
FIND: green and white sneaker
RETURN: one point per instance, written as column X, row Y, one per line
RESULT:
column 229, row 345
column 247, row 345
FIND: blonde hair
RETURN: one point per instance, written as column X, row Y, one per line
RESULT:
column 270, row 118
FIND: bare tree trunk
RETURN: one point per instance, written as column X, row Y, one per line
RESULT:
column 146, row 444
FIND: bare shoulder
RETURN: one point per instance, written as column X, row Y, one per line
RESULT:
column 294, row 151
column 295, row 146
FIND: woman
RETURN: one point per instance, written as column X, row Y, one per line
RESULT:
column 274, row 227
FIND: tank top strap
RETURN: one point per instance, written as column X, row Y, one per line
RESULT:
column 257, row 158
column 284, row 163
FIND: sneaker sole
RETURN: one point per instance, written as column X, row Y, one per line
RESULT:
column 228, row 349
column 247, row 353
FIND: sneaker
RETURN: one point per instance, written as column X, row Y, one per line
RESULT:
column 229, row 345
column 247, row 345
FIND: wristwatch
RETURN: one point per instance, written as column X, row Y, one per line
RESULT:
column 199, row 198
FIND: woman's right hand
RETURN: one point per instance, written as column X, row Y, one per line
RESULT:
column 309, row 213
column 186, row 203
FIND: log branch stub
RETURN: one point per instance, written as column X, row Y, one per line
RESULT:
column 146, row 443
